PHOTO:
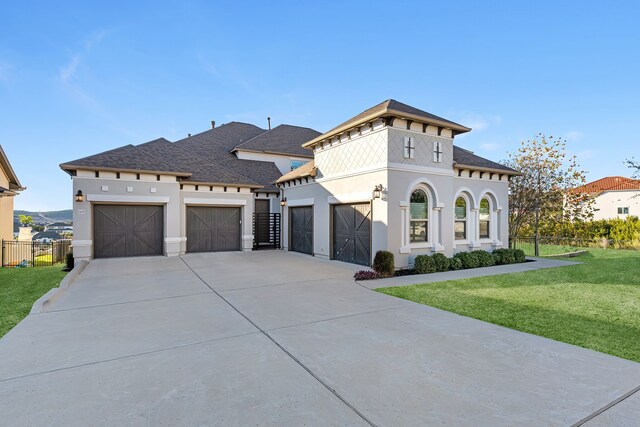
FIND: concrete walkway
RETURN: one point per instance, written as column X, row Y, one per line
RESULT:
column 274, row 338
column 533, row 264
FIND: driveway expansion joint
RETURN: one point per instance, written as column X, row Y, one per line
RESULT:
column 291, row 356
column 606, row 407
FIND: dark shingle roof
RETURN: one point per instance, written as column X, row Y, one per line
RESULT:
column 390, row 107
column 47, row 235
column 283, row 139
column 464, row 157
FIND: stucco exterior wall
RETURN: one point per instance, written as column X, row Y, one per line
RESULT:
column 6, row 210
column 283, row 163
column 148, row 190
column 606, row 205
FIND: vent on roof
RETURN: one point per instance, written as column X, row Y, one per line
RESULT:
column 213, row 124
column 269, row 122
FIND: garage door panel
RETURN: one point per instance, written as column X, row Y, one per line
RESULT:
column 352, row 233
column 213, row 229
column 126, row 230
column 301, row 234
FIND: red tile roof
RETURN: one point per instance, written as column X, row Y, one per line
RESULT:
column 609, row 183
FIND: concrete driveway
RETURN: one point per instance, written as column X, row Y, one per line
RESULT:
column 275, row 338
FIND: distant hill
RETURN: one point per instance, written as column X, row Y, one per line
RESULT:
column 47, row 217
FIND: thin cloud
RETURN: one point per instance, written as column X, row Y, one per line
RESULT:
column 68, row 72
column 479, row 122
column 490, row 146
column 574, row 136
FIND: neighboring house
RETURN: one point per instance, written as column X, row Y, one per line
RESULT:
column 9, row 187
column 46, row 237
column 614, row 197
column 59, row 227
column 389, row 178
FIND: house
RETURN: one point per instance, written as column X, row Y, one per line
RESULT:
column 59, row 227
column 389, row 178
column 46, row 236
column 613, row 197
column 9, row 187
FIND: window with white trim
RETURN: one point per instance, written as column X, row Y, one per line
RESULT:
column 437, row 152
column 460, row 224
column 623, row 210
column 409, row 147
column 484, row 218
column 419, row 217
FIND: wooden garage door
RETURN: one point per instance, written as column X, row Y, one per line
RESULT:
column 213, row 229
column 123, row 230
column 301, row 235
column 352, row 233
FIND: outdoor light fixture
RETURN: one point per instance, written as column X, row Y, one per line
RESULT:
column 283, row 202
column 79, row 196
column 377, row 191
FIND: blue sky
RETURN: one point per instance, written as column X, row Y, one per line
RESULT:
column 77, row 79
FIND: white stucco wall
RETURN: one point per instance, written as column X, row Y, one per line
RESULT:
column 283, row 163
column 107, row 189
column 606, row 205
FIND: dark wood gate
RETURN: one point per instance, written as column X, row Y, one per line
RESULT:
column 266, row 230
column 125, row 230
column 352, row 233
column 213, row 229
column 301, row 229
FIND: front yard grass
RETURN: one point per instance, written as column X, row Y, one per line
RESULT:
column 594, row 305
column 20, row 288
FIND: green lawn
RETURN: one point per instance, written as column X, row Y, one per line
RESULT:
column 20, row 288
column 547, row 250
column 594, row 305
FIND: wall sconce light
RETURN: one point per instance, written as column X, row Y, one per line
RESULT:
column 283, row 202
column 377, row 191
column 79, row 196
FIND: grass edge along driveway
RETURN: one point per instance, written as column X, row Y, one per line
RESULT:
column 20, row 288
column 595, row 305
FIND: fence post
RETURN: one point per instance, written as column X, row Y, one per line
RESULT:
column 53, row 243
column 2, row 255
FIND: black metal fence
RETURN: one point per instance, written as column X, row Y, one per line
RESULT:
column 266, row 230
column 548, row 246
column 33, row 254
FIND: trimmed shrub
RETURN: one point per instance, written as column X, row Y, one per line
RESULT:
column 424, row 264
column 455, row 264
column 365, row 275
column 468, row 259
column 69, row 261
column 383, row 264
column 441, row 262
column 485, row 259
column 519, row 255
column 504, row 256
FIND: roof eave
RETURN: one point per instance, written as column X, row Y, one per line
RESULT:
column 486, row 169
column 68, row 168
column 11, row 174
column 222, row 184
column 277, row 153
column 383, row 113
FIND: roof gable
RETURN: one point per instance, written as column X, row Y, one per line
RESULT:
column 390, row 107
column 283, row 139
column 14, row 182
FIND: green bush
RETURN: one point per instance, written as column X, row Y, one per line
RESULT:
column 468, row 259
column 69, row 261
column 384, row 264
column 455, row 264
column 424, row 264
column 519, row 255
column 504, row 256
column 485, row 259
column 441, row 261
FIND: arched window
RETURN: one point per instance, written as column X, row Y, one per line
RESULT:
column 484, row 218
column 419, row 216
column 460, row 225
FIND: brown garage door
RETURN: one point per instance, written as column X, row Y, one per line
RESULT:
column 123, row 230
column 352, row 233
column 213, row 229
column 301, row 235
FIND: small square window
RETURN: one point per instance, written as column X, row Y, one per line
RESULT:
column 623, row 210
column 437, row 152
